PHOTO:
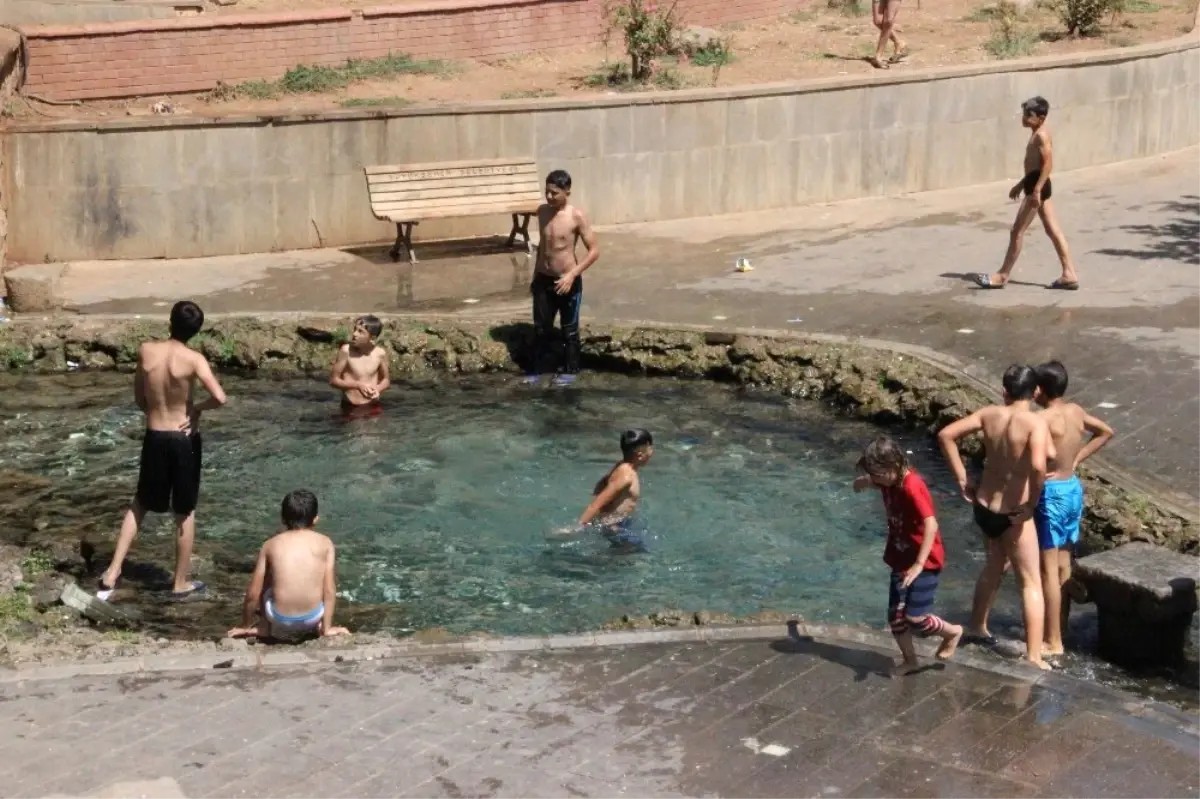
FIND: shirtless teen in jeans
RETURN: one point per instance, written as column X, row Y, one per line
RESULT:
column 1039, row 160
column 1061, row 507
column 169, row 475
column 1017, row 445
column 360, row 370
column 293, row 589
column 557, row 286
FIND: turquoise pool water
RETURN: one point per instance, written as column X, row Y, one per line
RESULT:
column 441, row 506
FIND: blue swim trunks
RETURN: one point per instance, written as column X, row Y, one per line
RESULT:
column 917, row 599
column 624, row 536
column 1059, row 512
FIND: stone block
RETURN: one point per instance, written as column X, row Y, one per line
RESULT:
column 362, row 142
column 679, row 120
column 739, row 123
column 617, row 137
column 1145, row 597
column 711, row 119
column 702, row 179
column 574, row 133
column 294, row 150
column 673, row 201
column 480, row 136
column 814, row 175
column 829, row 112
column 517, row 134
column 773, row 119
column 34, row 288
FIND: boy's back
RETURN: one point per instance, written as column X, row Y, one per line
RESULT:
column 297, row 564
column 169, row 370
column 1065, row 421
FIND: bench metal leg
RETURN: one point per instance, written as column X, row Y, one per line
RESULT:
column 520, row 227
column 404, row 240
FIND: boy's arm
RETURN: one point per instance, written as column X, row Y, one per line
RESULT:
column 139, row 384
column 588, row 237
column 337, row 373
column 1041, row 450
column 329, row 590
column 948, row 441
column 1101, row 435
column 617, row 482
column 861, row 483
column 216, row 394
column 254, row 590
column 384, row 375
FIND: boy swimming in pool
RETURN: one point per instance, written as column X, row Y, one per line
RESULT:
column 360, row 370
column 914, row 550
column 292, row 590
column 1060, row 508
column 615, row 497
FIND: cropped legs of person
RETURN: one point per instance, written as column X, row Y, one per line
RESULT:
column 547, row 304
column 1016, row 237
column 883, row 15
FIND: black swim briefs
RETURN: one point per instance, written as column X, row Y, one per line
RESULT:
column 1030, row 180
column 992, row 524
column 169, row 477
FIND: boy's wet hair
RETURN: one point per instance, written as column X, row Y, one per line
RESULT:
column 633, row 440
column 1020, row 381
column 883, row 457
column 1052, row 379
column 299, row 509
column 371, row 324
column 186, row 320
column 1038, row 106
column 560, row 179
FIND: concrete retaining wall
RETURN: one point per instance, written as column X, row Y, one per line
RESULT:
column 174, row 188
column 190, row 55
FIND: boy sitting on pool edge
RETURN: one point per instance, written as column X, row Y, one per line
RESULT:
column 615, row 497
column 293, row 590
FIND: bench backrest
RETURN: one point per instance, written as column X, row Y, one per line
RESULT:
column 411, row 192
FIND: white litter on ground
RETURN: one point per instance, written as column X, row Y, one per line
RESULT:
column 1106, row 405
column 965, row 330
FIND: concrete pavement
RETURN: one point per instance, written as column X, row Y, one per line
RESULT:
column 787, row 716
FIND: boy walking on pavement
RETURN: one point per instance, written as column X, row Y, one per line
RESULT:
column 557, row 286
column 914, row 552
column 1060, row 510
column 1039, row 161
column 169, row 474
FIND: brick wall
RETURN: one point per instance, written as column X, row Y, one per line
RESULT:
column 127, row 59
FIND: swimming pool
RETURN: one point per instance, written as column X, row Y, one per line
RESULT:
column 442, row 506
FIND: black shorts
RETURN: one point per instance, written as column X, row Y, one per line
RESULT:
column 991, row 523
column 169, row 477
column 1031, row 179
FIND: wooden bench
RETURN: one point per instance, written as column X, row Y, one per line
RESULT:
column 408, row 193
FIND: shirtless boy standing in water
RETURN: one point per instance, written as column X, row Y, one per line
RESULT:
column 1039, row 160
column 557, row 286
column 360, row 370
column 615, row 497
column 169, row 474
column 1061, row 507
column 293, row 589
column 1017, row 446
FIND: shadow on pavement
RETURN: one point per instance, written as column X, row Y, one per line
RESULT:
column 1177, row 239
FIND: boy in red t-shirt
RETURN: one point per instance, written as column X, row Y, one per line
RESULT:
column 914, row 550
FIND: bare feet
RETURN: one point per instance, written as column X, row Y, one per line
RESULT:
column 242, row 632
column 902, row 666
column 949, row 646
column 1052, row 651
column 1041, row 664
column 332, row 631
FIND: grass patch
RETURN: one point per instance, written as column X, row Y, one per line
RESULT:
column 374, row 102
column 318, row 79
column 1140, row 7
column 1015, row 45
column 528, row 94
column 716, row 53
column 123, row 637
column 15, row 356
column 36, row 563
column 341, row 335
column 798, row 17
column 1120, row 40
column 617, row 76
column 982, row 14
column 849, row 8
column 15, row 611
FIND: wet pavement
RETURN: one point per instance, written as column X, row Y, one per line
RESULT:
column 892, row 269
column 786, row 717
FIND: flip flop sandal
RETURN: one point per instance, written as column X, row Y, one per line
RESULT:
column 875, row 62
column 197, row 590
column 898, row 58
column 1064, row 285
column 985, row 282
column 104, row 591
column 980, row 640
